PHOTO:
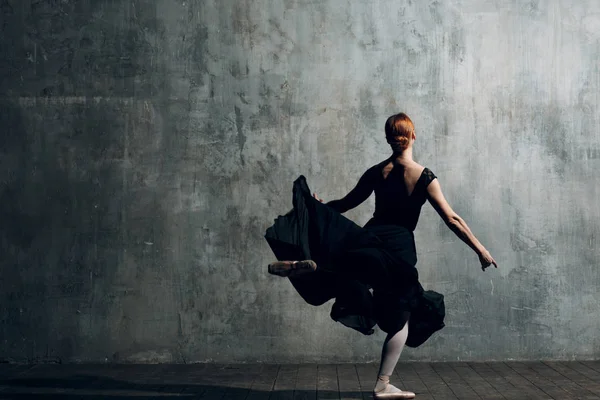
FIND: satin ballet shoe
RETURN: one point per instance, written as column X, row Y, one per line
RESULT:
column 292, row 268
column 392, row 392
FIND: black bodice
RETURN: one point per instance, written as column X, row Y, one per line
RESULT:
column 393, row 204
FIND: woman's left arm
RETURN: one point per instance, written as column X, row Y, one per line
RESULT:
column 360, row 193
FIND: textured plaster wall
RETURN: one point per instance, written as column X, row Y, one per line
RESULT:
column 146, row 145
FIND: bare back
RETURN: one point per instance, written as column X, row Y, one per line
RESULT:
column 412, row 171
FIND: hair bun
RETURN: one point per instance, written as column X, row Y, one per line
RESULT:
column 398, row 142
column 399, row 130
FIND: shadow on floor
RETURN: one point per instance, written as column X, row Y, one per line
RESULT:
column 90, row 387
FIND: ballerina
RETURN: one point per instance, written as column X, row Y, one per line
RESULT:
column 326, row 256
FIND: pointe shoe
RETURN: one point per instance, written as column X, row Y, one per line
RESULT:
column 392, row 392
column 292, row 268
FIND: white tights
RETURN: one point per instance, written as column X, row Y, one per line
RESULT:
column 392, row 348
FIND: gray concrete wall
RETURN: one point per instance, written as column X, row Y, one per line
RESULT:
column 146, row 145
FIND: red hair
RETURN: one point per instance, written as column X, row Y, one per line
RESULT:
column 399, row 130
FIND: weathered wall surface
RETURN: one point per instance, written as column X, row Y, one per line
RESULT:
column 146, row 145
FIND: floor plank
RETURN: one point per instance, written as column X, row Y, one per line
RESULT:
column 595, row 365
column 455, row 382
column 520, row 382
column 498, row 382
column 585, row 370
column 306, row 382
column 327, row 382
column 285, row 383
column 411, row 381
column 438, row 388
column 239, row 381
column 540, row 382
column 263, row 384
column 479, row 385
column 550, row 377
column 574, row 376
column 367, row 376
column 348, row 382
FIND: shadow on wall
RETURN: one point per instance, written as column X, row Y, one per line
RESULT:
column 62, row 174
column 57, row 216
column 25, row 233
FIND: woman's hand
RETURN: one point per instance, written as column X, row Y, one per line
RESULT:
column 485, row 258
column 315, row 196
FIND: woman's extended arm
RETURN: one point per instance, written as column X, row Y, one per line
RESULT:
column 457, row 224
column 360, row 193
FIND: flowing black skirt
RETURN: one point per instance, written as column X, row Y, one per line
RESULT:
column 369, row 271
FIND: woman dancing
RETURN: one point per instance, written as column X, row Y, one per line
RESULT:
column 370, row 270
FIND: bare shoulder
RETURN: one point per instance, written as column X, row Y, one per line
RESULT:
column 414, row 169
column 417, row 166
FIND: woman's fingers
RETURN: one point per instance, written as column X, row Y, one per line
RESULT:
column 488, row 262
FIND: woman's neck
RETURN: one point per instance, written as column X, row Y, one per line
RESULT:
column 404, row 155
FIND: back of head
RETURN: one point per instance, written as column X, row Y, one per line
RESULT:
column 398, row 131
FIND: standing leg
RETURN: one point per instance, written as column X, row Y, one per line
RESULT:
column 392, row 348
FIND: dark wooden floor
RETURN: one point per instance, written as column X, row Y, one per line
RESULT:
column 460, row 380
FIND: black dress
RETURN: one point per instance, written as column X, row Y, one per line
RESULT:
column 370, row 270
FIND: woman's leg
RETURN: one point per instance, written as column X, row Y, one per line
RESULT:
column 392, row 348
column 390, row 353
column 292, row 268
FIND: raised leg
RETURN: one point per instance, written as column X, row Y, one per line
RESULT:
column 292, row 268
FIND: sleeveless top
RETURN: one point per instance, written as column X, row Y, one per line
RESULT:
column 393, row 204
